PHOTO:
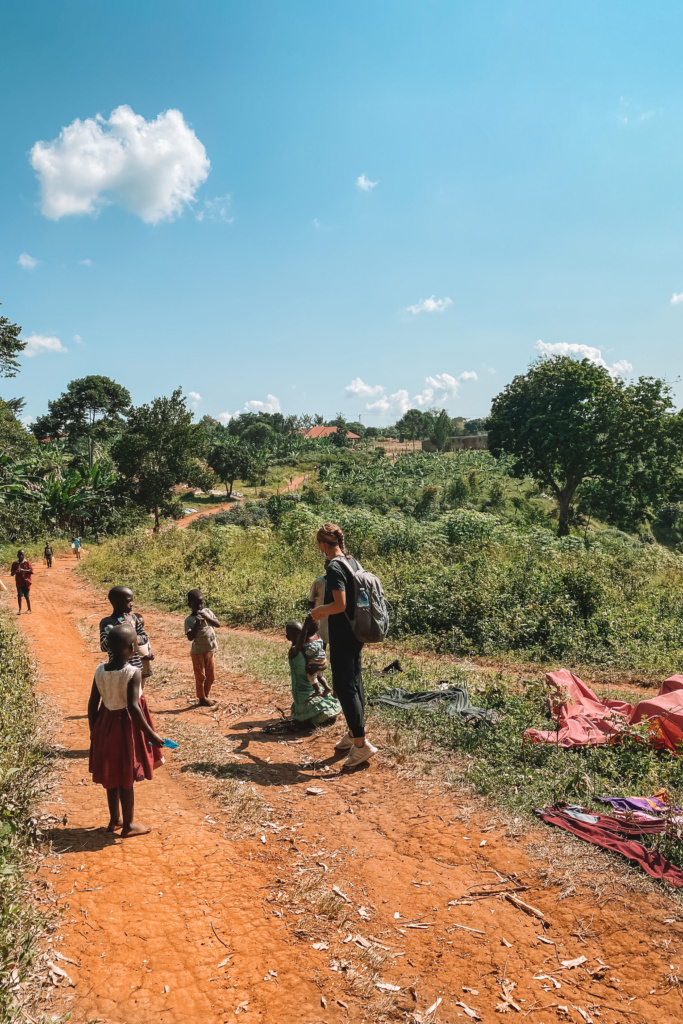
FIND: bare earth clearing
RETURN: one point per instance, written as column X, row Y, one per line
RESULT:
column 205, row 919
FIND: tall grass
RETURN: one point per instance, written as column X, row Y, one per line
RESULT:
column 464, row 583
column 22, row 768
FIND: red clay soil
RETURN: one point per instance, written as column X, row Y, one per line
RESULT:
column 188, row 925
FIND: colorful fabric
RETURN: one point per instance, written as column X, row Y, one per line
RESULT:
column 585, row 720
column 120, row 753
column 314, row 653
column 305, row 709
column 607, row 835
column 635, row 803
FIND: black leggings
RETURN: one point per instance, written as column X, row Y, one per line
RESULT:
column 345, row 662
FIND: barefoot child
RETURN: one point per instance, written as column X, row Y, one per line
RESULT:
column 199, row 628
column 123, row 743
column 307, row 706
column 22, row 570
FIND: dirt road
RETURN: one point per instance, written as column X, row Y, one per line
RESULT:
column 198, row 922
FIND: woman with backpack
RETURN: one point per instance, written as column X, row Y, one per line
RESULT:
column 345, row 649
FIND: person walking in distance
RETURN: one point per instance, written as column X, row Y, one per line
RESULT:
column 345, row 649
column 48, row 554
column 22, row 570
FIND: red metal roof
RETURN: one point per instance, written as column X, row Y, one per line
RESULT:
column 326, row 431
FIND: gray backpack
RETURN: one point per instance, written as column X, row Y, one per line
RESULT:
column 370, row 624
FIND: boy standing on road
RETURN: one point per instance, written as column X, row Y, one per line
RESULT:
column 48, row 554
column 22, row 570
column 199, row 628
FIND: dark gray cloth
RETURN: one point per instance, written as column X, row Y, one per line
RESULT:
column 456, row 701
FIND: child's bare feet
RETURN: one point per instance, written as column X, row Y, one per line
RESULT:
column 326, row 689
column 134, row 830
column 113, row 825
column 204, row 702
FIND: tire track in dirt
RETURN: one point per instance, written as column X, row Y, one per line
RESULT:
column 163, row 911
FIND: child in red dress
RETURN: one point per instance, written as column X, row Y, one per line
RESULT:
column 124, row 748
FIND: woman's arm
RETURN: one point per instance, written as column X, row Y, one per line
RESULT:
column 135, row 712
column 93, row 705
column 323, row 610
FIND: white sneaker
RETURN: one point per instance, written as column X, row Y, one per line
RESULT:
column 345, row 743
column 360, row 754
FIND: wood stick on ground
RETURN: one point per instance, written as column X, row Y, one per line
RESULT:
column 521, row 905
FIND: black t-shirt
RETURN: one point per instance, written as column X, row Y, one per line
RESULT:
column 338, row 577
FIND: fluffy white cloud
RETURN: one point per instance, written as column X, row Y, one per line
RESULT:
column 85, row 263
column 363, row 390
column 272, row 404
column 563, row 348
column 438, row 388
column 27, row 262
column 430, row 305
column 676, row 298
column 78, row 339
column 195, row 398
column 364, row 183
column 225, row 417
column 216, row 209
column 36, row 344
column 151, row 168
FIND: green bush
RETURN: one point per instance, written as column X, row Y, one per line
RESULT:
column 22, row 769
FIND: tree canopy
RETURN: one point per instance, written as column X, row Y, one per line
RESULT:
column 565, row 422
column 156, row 450
column 230, row 459
column 91, row 410
column 11, row 345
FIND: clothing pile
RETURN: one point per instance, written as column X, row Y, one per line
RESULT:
column 616, row 833
column 456, row 700
column 585, row 720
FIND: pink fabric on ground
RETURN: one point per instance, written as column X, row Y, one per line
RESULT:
column 585, row 720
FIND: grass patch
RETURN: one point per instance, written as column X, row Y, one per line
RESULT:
column 23, row 769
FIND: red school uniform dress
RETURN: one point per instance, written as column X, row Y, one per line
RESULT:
column 120, row 753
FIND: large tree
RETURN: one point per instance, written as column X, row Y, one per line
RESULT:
column 415, row 425
column 10, row 347
column 230, row 459
column 565, row 422
column 156, row 450
column 91, row 410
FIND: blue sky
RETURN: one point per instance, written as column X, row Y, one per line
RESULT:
column 521, row 165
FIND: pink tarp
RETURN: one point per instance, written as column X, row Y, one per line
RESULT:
column 585, row 720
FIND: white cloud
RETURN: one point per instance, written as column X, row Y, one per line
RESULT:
column 195, row 398
column 430, row 305
column 36, row 344
column 364, row 183
column 151, row 168
column 272, row 404
column 676, row 298
column 631, row 114
column 27, row 262
column 78, row 339
column 363, row 390
column 216, row 209
column 85, row 263
column 316, row 224
column 225, row 417
column 563, row 348
column 27, row 420
column 439, row 387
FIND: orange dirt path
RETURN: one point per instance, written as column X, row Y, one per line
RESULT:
column 189, row 925
column 211, row 510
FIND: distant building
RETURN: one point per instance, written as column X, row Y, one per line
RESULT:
column 327, row 432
